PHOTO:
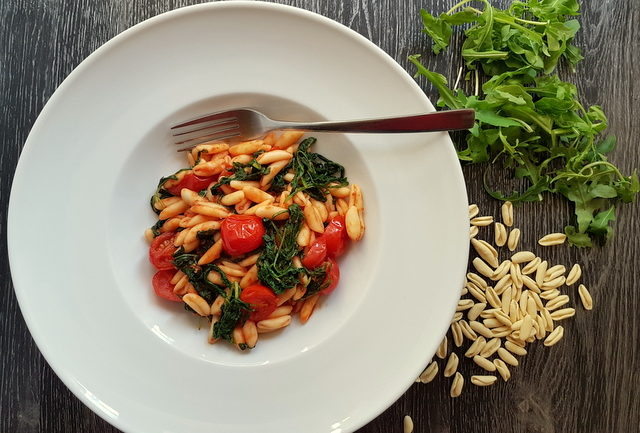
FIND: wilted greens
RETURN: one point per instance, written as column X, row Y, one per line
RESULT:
column 527, row 117
column 313, row 173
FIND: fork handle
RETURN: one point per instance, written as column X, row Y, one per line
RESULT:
column 438, row 121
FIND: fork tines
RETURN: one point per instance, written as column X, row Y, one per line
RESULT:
column 214, row 127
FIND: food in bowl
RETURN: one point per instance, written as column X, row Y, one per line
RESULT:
column 249, row 235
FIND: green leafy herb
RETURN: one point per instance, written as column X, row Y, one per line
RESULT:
column 206, row 241
column 233, row 313
column 532, row 34
column 532, row 121
column 197, row 275
column 223, row 276
column 156, row 227
column 275, row 265
column 252, row 170
column 313, row 173
column 161, row 192
column 317, row 280
column 577, row 239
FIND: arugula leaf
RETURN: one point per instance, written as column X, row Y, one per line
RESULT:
column 317, row 280
column 529, row 34
column 458, row 18
column 155, row 229
column 314, row 173
column 601, row 223
column 275, row 264
column 252, row 170
column 627, row 187
column 223, row 276
column 494, row 119
column 550, row 9
column 233, row 313
column 197, row 275
column 479, row 36
column 576, row 238
column 439, row 81
column 470, row 54
column 160, row 192
column 527, row 117
column 606, row 145
column 437, row 29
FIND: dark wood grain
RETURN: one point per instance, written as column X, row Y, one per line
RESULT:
column 588, row 383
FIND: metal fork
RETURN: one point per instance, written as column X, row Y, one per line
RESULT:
column 248, row 124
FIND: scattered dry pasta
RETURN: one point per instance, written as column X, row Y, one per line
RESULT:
column 508, row 304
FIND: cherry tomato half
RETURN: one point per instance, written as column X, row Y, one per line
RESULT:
column 315, row 254
column 262, row 300
column 335, row 235
column 161, row 251
column 192, row 182
column 162, row 285
column 241, row 233
column 333, row 277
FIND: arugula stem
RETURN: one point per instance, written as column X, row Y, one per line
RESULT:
column 562, row 131
column 606, row 164
column 540, row 124
column 517, row 26
column 524, row 124
column 579, row 175
column 488, row 22
column 547, row 161
column 458, row 5
column 487, row 55
column 477, row 74
column 533, row 23
column 455, row 86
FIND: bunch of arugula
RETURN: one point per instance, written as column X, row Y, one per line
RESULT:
column 526, row 116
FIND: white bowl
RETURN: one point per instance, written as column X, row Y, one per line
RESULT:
column 79, row 206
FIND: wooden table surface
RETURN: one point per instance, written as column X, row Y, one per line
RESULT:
column 588, row 383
